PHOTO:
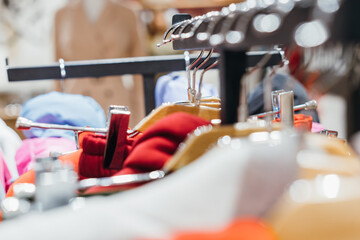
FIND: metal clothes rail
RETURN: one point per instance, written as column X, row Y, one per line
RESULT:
column 148, row 67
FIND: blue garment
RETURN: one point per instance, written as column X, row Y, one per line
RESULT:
column 173, row 88
column 64, row 109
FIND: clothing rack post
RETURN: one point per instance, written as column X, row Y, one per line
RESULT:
column 149, row 89
column 232, row 68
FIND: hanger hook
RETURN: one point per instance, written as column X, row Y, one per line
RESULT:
column 208, row 56
column 183, row 27
column 243, row 107
column 62, row 73
column 190, row 90
column 172, row 28
column 198, row 95
column 198, row 22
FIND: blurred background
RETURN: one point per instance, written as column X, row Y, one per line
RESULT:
column 36, row 32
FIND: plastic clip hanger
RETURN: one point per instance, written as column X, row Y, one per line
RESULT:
column 118, row 122
column 198, row 94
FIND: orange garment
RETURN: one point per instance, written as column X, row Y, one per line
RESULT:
column 29, row 176
column 301, row 122
column 72, row 158
column 240, row 229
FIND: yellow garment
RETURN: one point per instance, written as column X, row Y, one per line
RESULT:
column 327, row 207
column 116, row 34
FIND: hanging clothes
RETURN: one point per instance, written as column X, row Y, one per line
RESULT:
column 116, row 34
column 152, row 149
column 34, row 148
column 5, row 176
column 2, row 194
column 9, row 144
column 146, row 152
column 226, row 183
column 172, row 88
column 70, row 158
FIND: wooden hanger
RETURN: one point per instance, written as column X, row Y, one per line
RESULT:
column 204, row 137
column 341, row 159
column 205, row 112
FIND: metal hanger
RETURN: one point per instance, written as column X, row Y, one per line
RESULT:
column 310, row 105
column 183, row 27
column 243, row 107
column 26, row 124
column 204, row 18
column 238, row 29
column 198, row 95
column 194, row 74
column 190, row 91
column 171, row 29
column 215, row 21
column 177, row 28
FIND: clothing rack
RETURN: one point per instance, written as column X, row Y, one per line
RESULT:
column 148, row 67
column 233, row 30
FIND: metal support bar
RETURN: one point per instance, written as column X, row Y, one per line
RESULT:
column 102, row 67
column 149, row 88
column 119, row 66
column 232, row 67
column 147, row 66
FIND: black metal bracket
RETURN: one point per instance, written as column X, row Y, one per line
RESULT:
column 146, row 66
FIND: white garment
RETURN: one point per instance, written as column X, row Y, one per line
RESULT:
column 234, row 180
column 9, row 144
column 2, row 192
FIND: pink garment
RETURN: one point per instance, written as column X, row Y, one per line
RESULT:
column 316, row 127
column 34, row 148
column 5, row 176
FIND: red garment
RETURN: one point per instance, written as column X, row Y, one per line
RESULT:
column 157, row 144
column 91, row 160
column 29, row 176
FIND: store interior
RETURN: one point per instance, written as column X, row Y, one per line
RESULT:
column 179, row 119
